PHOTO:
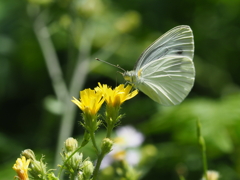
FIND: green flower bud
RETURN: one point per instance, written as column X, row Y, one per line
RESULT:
column 87, row 169
column 38, row 169
column 106, row 145
column 29, row 154
column 74, row 162
column 71, row 144
column 51, row 176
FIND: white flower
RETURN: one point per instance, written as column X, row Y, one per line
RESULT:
column 125, row 147
column 133, row 156
column 129, row 136
column 212, row 175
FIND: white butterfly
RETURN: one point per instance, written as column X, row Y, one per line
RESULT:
column 165, row 71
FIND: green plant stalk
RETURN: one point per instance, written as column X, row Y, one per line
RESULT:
column 204, row 158
column 97, row 167
column 203, row 148
column 109, row 131
column 110, row 127
column 94, row 142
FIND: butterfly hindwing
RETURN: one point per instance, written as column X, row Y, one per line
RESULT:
column 167, row 80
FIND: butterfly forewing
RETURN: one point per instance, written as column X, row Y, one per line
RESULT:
column 176, row 42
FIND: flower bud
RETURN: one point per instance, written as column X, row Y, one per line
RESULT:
column 29, row 154
column 71, row 144
column 51, row 176
column 74, row 162
column 87, row 169
column 106, row 145
column 38, row 169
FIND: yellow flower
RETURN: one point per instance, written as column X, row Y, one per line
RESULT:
column 90, row 101
column 21, row 167
column 115, row 97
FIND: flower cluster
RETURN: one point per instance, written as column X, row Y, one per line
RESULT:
column 91, row 101
column 74, row 164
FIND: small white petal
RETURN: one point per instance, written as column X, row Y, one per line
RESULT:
column 131, row 136
column 133, row 157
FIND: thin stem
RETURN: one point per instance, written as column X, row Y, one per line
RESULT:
column 97, row 167
column 109, row 131
column 203, row 148
column 94, row 143
column 204, row 159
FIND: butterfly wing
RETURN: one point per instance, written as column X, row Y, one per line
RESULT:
column 176, row 42
column 166, row 80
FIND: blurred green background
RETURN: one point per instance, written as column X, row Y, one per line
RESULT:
column 47, row 55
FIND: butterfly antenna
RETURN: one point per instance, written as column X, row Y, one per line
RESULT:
column 117, row 66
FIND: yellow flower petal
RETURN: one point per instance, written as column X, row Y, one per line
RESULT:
column 21, row 167
column 90, row 101
column 115, row 97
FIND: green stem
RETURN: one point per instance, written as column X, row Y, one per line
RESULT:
column 101, row 155
column 97, row 167
column 204, row 158
column 94, row 142
column 203, row 146
column 109, row 131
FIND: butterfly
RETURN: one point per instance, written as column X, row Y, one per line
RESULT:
column 165, row 71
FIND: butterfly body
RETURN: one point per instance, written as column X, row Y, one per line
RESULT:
column 165, row 71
